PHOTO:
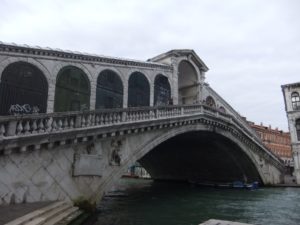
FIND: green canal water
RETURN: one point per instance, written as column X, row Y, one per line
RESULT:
column 144, row 202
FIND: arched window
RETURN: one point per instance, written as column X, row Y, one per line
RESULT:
column 109, row 93
column 72, row 92
column 298, row 128
column 162, row 90
column 222, row 109
column 210, row 102
column 138, row 90
column 295, row 100
column 23, row 89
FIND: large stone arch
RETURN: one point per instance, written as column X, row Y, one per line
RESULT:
column 188, row 83
column 73, row 90
column 162, row 90
column 42, row 67
column 148, row 142
column 23, row 89
column 92, row 77
column 139, row 90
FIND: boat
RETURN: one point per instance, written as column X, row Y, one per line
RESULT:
column 242, row 185
column 234, row 185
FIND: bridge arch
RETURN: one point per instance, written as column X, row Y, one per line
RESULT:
column 159, row 139
column 109, row 91
column 162, row 90
column 188, row 83
column 138, row 90
column 23, row 89
column 72, row 92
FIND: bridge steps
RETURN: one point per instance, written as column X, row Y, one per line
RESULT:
column 49, row 215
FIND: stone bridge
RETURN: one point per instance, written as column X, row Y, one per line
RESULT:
column 71, row 124
column 82, row 154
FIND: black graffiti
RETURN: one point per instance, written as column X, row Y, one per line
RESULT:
column 23, row 109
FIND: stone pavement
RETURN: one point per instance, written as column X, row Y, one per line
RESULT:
column 222, row 222
column 11, row 212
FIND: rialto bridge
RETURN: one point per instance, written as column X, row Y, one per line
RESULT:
column 72, row 123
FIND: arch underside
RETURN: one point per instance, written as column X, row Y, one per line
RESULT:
column 201, row 156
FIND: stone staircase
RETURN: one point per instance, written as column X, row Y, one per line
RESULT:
column 57, row 213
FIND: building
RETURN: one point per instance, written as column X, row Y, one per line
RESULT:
column 277, row 141
column 292, row 108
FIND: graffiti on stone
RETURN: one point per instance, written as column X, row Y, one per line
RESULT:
column 23, row 109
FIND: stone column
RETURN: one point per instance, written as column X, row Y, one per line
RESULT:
column 296, row 154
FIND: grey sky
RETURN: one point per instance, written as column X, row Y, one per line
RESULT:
column 250, row 46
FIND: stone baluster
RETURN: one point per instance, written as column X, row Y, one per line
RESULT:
column 83, row 122
column 59, row 124
column 97, row 120
column 129, row 117
column 40, row 126
column 54, row 125
column 106, row 118
column 142, row 115
column 34, row 127
column 19, row 128
column 65, row 123
column 48, row 124
column 134, row 116
column 101, row 119
column 110, row 118
column 88, row 120
column 27, row 127
column 78, row 121
column 118, row 117
column 147, row 114
column 124, row 116
column 92, row 120
column 71, row 123
column 2, row 130
column 11, row 128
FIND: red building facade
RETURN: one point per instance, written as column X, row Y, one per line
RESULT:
column 277, row 141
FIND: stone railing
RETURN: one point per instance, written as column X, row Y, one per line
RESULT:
column 23, row 125
column 35, row 124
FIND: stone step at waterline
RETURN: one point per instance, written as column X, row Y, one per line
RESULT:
column 61, row 216
column 69, row 218
column 40, row 220
column 31, row 216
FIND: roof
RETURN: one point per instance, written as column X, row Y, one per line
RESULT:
column 297, row 84
column 181, row 52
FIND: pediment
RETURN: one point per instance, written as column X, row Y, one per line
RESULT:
column 176, row 53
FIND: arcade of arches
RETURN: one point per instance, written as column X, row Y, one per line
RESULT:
column 24, row 90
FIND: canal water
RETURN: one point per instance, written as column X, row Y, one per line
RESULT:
column 144, row 202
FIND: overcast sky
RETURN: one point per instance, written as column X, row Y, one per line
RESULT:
column 252, row 47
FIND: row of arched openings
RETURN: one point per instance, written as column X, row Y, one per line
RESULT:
column 211, row 102
column 24, row 90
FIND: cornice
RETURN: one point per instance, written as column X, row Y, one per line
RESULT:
column 58, row 53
